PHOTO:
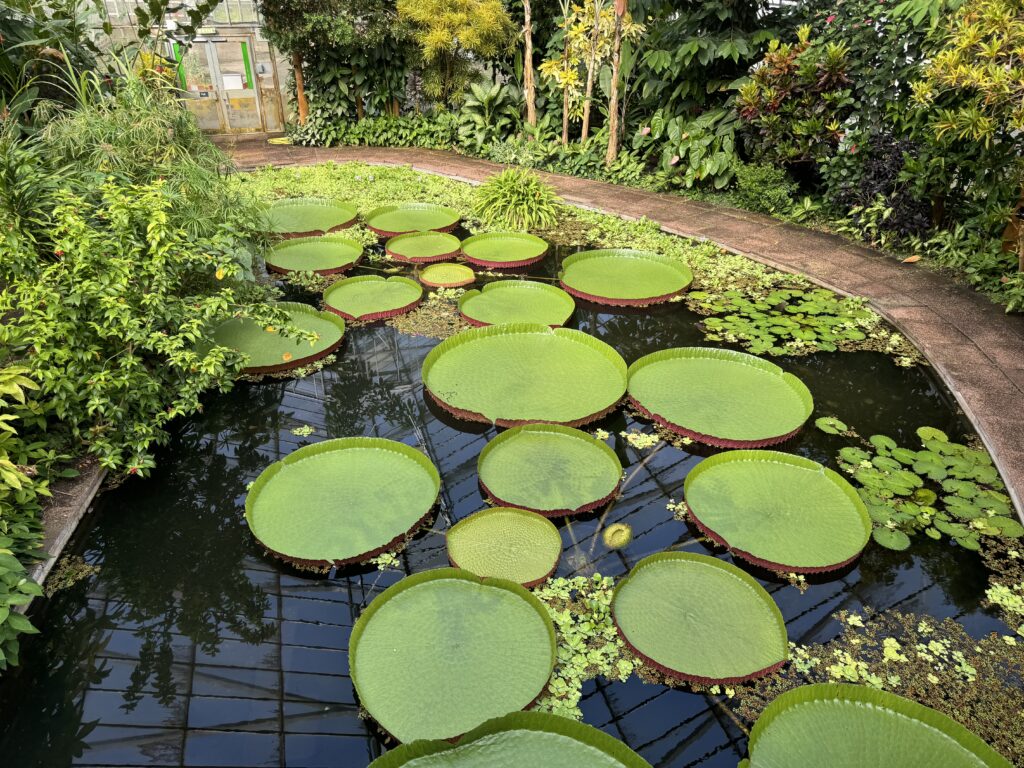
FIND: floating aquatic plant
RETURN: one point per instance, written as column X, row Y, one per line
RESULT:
column 778, row 511
column 392, row 220
column 308, row 216
column 443, row 651
column 268, row 350
column 447, row 276
column 617, row 535
column 624, row 277
column 550, row 469
column 720, row 397
column 517, row 301
column 504, row 250
column 520, row 738
column 437, row 316
column 469, row 375
column 326, row 255
column 423, row 247
column 506, row 543
column 860, row 727
column 698, row 619
column 372, row 297
column 341, row 501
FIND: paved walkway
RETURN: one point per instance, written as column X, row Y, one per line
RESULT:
column 974, row 346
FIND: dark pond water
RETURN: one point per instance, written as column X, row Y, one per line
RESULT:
column 190, row 647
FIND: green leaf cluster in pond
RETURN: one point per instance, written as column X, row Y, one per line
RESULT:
column 795, row 321
column 943, row 489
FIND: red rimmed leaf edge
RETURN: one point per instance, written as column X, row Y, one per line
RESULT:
column 716, row 442
column 479, row 417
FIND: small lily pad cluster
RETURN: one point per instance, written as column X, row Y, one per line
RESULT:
column 793, row 321
column 945, row 488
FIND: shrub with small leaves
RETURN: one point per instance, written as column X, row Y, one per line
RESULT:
column 517, row 199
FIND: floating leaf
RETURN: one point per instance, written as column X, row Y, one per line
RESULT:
column 931, row 433
column 516, row 301
column 265, row 348
column 621, row 276
column 423, row 247
column 447, row 276
column 856, row 726
column 341, row 501
column 697, row 618
column 720, row 397
column 443, row 651
column 307, row 216
column 779, row 511
column 326, row 255
column 550, row 469
column 560, row 375
column 617, row 535
column 392, row 220
column 519, row 739
column 882, row 443
column 506, row 543
column 498, row 250
column 830, row 425
column 372, row 297
column 891, row 538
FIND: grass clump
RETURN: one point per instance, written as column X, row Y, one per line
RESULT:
column 517, row 199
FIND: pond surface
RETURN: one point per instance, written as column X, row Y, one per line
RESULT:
column 191, row 647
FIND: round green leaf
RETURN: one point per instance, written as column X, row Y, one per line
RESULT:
column 506, row 543
column 447, row 276
column 931, row 433
column 391, row 220
column 498, row 250
column 372, row 297
column 268, row 351
column 516, row 301
column 304, row 216
column 423, row 247
column 443, row 651
column 550, row 469
column 883, row 443
column 326, row 255
column 720, row 397
column 697, row 618
column 830, row 425
column 519, row 739
column 856, row 726
column 621, row 276
column 341, row 501
column 520, row 373
column 779, row 511
column 891, row 538
column 1007, row 526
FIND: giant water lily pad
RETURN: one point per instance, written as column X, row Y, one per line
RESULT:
column 522, row 373
column 307, row 216
column 550, row 469
column 443, row 651
column 519, row 739
column 423, row 247
column 516, row 301
column 326, row 255
column 447, row 276
column 699, row 619
column 624, row 277
column 268, row 351
column 341, row 501
column 779, row 511
column 720, row 397
column 497, row 250
column 506, row 543
column 391, row 220
column 855, row 726
column 372, row 297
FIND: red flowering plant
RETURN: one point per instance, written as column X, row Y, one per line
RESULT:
column 796, row 101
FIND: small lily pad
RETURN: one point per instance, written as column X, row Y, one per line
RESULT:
column 392, row 220
column 624, row 277
column 447, row 276
column 516, row 301
column 891, row 538
column 372, row 297
column 830, row 425
column 506, row 543
column 423, row 247
column 308, row 216
column 504, row 250
column 326, row 255
column 550, row 469
column 699, row 619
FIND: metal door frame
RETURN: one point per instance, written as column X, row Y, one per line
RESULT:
column 248, row 41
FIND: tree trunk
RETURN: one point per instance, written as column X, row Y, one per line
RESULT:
column 359, row 106
column 300, row 88
column 529, row 86
column 591, row 67
column 613, row 99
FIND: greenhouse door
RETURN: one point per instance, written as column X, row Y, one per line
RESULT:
column 227, row 85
